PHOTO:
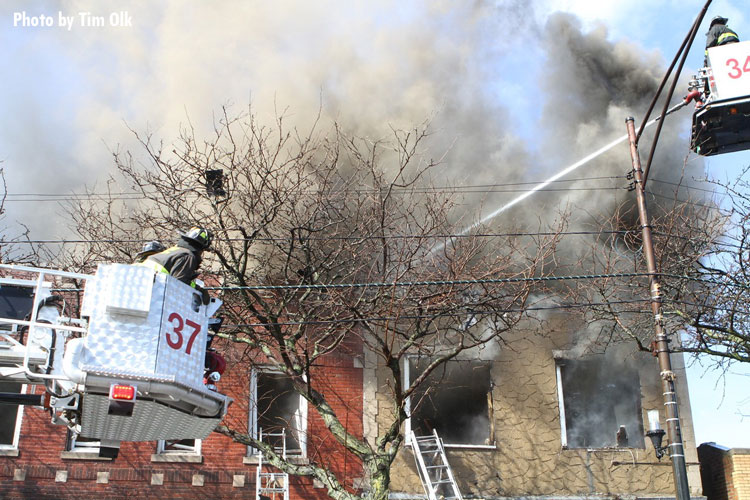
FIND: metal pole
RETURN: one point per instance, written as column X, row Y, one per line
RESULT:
column 676, row 450
column 13, row 398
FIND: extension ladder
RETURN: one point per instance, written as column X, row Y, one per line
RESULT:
column 434, row 471
column 271, row 485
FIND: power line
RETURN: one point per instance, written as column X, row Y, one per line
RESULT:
column 374, row 284
column 346, row 238
column 465, row 313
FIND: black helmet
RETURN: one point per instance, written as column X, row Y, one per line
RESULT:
column 153, row 247
column 718, row 20
column 199, row 236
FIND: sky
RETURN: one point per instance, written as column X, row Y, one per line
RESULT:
column 501, row 82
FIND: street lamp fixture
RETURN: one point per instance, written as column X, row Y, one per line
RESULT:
column 656, row 433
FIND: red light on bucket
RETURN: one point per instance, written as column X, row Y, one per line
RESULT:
column 122, row 392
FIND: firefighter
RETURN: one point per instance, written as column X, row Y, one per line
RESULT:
column 215, row 364
column 182, row 260
column 719, row 34
column 148, row 250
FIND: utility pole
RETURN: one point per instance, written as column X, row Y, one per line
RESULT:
column 661, row 343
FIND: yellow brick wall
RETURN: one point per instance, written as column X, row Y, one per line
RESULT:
column 528, row 458
column 740, row 460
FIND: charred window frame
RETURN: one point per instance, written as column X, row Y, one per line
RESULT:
column 11, row 417
column 455, row 400
column 600, row 404
column 275, row 407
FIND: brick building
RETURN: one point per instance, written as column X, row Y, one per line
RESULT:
column 539, row 416
column 725, row 472
column 42, row 460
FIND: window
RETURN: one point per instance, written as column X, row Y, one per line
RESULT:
column 600, row 404
column 80, row 444
column 278, row 414
column 178, row 450
column 15, row 301
column 10, row 418
column 455, row 400
column 179, row 447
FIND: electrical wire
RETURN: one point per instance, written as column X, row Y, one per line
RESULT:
column 347, row 238
column 131, row 195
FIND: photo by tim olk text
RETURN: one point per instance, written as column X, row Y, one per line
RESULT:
column 119, row 19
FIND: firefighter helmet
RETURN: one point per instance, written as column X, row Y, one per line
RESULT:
column 153, row 247
column 718, row 20
column 199, row 236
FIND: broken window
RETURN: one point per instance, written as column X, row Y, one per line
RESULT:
column 600, row 404
column 10, row 417
column 278, row 414
column 455, row 400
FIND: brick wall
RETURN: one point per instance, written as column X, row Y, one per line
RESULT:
column 222, row 470
column 725, row 472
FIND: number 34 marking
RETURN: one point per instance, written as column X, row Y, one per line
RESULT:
column 175, row 338
column 736, row 71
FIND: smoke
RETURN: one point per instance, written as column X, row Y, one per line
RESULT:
column 371, row 68
column 600, row 395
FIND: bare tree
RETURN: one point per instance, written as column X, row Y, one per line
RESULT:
column 15, row 244
column 702, row 253
column 325, row 244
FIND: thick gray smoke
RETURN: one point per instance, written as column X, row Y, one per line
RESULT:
column 371, row 68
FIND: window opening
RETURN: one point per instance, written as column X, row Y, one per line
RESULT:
column 600, row 404
column 180, row 446
column 455, row 400
column 278, row 413
column 80, row 444
column 10, row 416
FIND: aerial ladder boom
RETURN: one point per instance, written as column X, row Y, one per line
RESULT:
column 129, row 367
column 721, row 122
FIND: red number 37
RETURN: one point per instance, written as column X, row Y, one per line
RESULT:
column 175, row 338
column 736, row 71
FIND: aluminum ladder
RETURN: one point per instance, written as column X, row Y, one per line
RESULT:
column 271, row 485
column 434, row 471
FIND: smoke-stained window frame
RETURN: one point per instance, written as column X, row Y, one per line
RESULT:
column 406, row 370
column 255, row 372
column 641, row 445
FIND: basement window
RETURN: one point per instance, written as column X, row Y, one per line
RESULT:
column 600, row 404
column 455, row 400
column 181, row 446
column 77, row 446
column 10, row 419
column 278, row 413
column 180, row 450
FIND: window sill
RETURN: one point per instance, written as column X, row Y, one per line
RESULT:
column 186, row 458
column 604, row 448
column 466, row 447
column 9, row 452
column 83, row 455
column 253, row 460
